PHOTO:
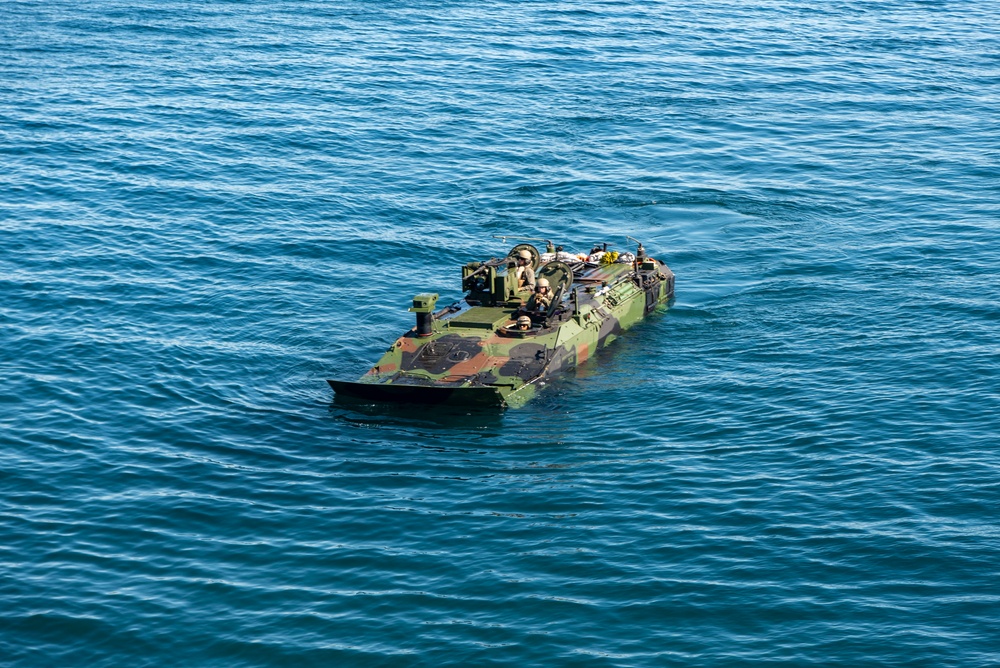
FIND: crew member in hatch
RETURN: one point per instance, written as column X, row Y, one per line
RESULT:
column 524, row 273
column 543, row 296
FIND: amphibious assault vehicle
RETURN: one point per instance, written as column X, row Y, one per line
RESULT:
column 474, row 351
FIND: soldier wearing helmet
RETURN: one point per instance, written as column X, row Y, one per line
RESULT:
column 543, row 296
column 524, row 323
column 524, row 272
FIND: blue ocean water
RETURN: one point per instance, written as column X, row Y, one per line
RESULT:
column 208, row 207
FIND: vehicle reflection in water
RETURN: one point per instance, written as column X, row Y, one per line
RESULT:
column 445, row 417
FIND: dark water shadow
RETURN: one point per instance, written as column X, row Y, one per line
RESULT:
column 443, row 417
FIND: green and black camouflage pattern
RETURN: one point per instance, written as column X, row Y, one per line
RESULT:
column 471, row 352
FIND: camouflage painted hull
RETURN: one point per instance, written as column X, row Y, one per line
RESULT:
column 470, row 354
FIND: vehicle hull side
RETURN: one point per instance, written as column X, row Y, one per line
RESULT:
column 421, row 394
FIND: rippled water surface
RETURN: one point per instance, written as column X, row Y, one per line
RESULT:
column 207, row 208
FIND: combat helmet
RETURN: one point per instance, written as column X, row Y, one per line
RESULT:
column 542, row 283
column 524, row 321
column 525, row 254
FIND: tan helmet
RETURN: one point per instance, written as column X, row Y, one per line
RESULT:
column 524, row 321
column 524, row 254
column 542, row 283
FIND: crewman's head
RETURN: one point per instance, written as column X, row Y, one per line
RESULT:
column 524, row 255
column 542, row 285
column 524, row 322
